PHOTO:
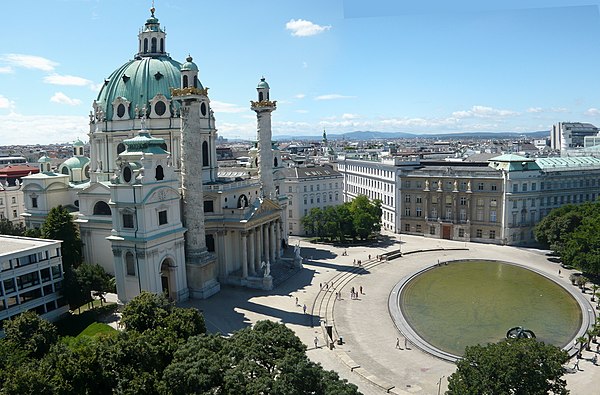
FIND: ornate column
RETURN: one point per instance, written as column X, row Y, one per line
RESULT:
column 252, row 257
column 244, row 254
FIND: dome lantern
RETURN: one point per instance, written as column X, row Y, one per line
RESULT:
column 152, row 38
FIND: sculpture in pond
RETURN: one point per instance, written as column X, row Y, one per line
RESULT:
column 518, row 332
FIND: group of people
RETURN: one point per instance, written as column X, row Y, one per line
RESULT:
column 354, row 294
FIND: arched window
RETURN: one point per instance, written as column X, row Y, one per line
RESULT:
column 86, row 171
column 153, row 45
column 101, row 208
column 162, row 45
column 120, row 148
column 195, row 81
column 203, row 109
column 275, row 162
column 260, row 96
column 130, row 263
column 65, row 170
column 205, row 154
column 185, row 81
column 145, row 45
column 160, row 174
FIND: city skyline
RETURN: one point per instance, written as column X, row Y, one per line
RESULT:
column 339, row 66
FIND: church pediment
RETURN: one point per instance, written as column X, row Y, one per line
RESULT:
column 263, row 207
column 161, row 194
column 96, row 188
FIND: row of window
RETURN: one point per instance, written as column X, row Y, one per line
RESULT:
column 450, row 185
column 29, row 280
column 13, row 200
column 461, row 231
column 370, row 170
column 462, row 214
column 27, row 260
column 312, row 187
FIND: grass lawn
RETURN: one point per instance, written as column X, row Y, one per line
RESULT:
column 74, row 324
column 96, row 328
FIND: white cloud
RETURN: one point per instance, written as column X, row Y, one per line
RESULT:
column 535, row 109
column 42, row 129
column 29, row 61
column 483, row 112
column 57, row 79
column 334, row 96
column 219, row 106
column 61, row 98
column 350, row 116
column 5, row 103
column 302, row 111
column 559, row 109
column 303, row 28
column 6, row 70
column 593, row 112
column 300, row 96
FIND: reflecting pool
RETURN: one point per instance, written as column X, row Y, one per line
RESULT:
column 477, row 302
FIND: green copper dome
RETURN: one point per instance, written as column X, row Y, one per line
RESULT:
column 189, row 65
column 139, row 81
column 263, row 83
column 76, row 162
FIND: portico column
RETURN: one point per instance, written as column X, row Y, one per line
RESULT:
column 223, row 272
column 265, row 231
column 278, row 239
column 251, row 252
column 244, row 254
column 258, row 233
column 272, row 240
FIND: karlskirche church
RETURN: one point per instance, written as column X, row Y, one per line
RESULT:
column 151, row 205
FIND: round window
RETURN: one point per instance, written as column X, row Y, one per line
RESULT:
column 121, row 110
column 160, row 108
column 203, row 109
column 127, row 174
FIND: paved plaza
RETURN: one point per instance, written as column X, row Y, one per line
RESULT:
column 368, row 356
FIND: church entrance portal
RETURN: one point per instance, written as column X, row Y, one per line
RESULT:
column 166, row 277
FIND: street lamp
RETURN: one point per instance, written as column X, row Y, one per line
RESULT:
column 440, row 384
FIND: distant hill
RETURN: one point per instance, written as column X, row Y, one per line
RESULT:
column 374, row 135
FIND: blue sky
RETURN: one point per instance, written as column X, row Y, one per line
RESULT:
column 340, row 65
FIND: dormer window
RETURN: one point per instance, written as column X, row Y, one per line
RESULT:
column 160, row 108
column 158, row 75
column 120, row 108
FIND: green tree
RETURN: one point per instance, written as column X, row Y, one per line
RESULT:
column 366, row 216
column 513, row 366
column 93, row 278
column 59, row 225
column 30, row 333
column 9, row 228
column 185, row 322
column 146, row 311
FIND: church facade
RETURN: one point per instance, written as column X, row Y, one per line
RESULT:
column 151, row 205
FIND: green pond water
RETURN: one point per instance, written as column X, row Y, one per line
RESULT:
column 477, row 302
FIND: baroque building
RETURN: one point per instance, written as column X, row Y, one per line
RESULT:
column 154, row 209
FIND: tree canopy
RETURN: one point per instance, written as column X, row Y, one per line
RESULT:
column 59, row 225
column 164, row 350
column 361, row 218
column 512, row 366
column 11, row 229
column 573, row 232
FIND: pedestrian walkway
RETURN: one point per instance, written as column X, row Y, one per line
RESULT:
column 368, row 355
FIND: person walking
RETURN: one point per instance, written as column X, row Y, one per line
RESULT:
column 397, row 342
column 296, row 301
column 304, row 308
column 316, row 342
column 361, row 292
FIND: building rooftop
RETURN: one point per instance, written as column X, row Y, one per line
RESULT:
column 13, row 244
column 568, row 162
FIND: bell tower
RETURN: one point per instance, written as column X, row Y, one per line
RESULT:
column 151, row 39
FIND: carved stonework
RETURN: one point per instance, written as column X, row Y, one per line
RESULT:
column 117, row 252
column 264, row 103
column 189, row 91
